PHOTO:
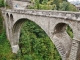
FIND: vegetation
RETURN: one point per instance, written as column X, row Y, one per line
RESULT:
column 2, row 3
column 5, row 49
column 53, row 5
column 65, row 6
column 34, row 42
column 37, row 45
column 1, row 22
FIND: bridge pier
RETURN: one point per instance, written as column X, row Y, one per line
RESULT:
column 14, row 42
column 14, row 46
column 74, row 50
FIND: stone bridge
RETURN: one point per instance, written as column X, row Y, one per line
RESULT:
column 53, row 22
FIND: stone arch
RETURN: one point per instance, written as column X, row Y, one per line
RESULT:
column 18, row 24
column 11, row 19
column 16, row 32
column 63, row 24
column 17, row 27
column 59, row 45
column 62, row 40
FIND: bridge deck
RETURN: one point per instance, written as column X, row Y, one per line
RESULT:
column 49, row 13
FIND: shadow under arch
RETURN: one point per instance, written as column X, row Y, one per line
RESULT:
column 11, row 18
column 63, row 35
column 7, row 16
column 17, row 27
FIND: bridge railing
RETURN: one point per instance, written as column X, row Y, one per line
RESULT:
column 49, row 13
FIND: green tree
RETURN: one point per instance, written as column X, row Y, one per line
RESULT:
column 36, row 4
column 44, row 2
column 1, row 22
column 35, row 44
column 66, row 6
column 1, row 3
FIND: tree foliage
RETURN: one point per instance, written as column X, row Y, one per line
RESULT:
column 1, row 3
column 53, row 5
column 66, row 6
column 35, row 44
column 1, row 22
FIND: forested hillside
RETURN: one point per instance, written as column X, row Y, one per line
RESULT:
column 53, row 5
column 34, row 42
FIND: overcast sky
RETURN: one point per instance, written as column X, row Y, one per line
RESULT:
column 73, row 0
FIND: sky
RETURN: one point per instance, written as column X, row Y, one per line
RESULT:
column 73, row 0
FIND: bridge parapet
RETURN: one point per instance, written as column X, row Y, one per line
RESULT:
column 49, row 13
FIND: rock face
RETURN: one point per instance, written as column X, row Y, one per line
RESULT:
column 20, row 4
column 10, row 2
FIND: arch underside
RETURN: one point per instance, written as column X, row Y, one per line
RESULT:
column 63, row 44
column 62, row 40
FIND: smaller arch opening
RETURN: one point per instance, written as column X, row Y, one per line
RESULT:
column 64, row 35
column 63, row 27
column 60, row 27
column 7, row 15
column 11, row 18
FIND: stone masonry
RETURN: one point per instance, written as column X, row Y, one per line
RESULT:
column 52, row 22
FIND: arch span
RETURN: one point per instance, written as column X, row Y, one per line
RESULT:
column 17, row 27
column 60, row 36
